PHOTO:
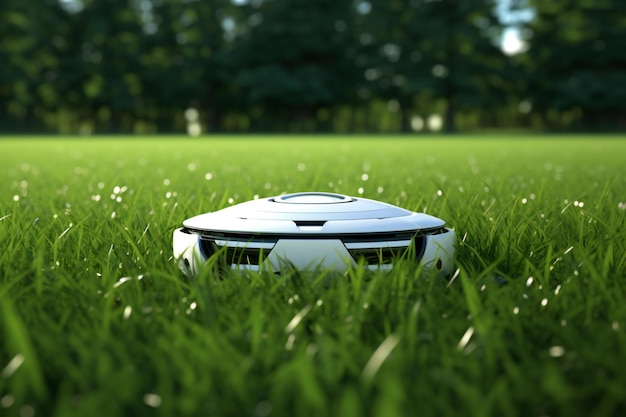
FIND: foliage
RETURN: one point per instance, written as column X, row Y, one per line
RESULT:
column 83, row 66
column 96, row 319
column 293, row 61
column 433, row 50
column 577, row 46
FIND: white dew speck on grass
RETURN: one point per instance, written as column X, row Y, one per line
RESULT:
column 23, row 184
column 12, row 366
column 293, row 323
column 379, row 356
column 121, row 281
column 117, row 193
column 124, row 280
column 465, row 338
column 64, row 232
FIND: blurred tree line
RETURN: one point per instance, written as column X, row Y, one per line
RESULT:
column 304, row 66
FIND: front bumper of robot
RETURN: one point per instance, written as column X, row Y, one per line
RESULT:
column 434, row 249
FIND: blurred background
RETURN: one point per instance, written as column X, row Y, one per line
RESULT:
column 393, row 66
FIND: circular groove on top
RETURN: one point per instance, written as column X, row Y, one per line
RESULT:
column 313, row 198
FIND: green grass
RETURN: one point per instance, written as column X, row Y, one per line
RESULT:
column 96, row 319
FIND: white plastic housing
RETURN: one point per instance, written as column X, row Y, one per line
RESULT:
column 314, row 230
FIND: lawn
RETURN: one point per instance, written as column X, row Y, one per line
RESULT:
column 96, row 319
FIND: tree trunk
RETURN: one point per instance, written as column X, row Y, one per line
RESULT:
column 450, row 115
column 405, row 123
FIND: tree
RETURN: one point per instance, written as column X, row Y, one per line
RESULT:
column 112, row 44
column 460, row 42
column 292, row 63
column 577, row 60
column 181, row 57
column 422, row 52
column 26, row 61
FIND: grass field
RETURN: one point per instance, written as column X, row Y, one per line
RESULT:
column 96, row 319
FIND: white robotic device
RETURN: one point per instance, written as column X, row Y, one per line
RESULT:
column 312, row 230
